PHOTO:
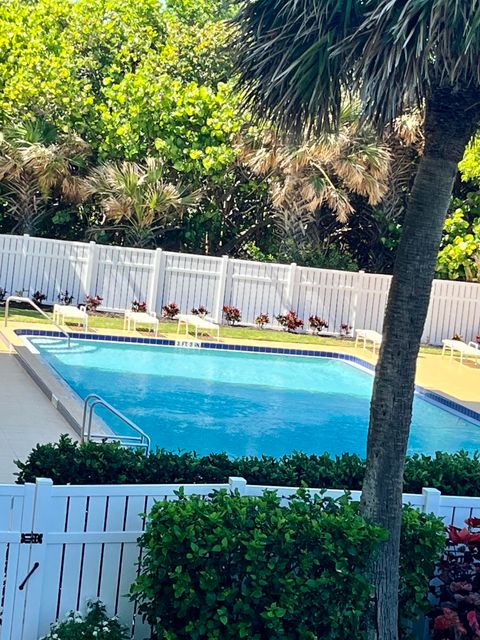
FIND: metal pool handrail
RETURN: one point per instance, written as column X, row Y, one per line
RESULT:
column 37, row 308
column 93, row 400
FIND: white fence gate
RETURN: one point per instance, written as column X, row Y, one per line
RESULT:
column 121, row 274
column 62, row 545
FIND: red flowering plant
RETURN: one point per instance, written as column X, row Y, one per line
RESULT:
column 200, row 311
column 139, row 307
column 456, row 586
column 317, row 324
column 345, row 329
column 290, row 321
column 39, row 297
column 93, row 302
column 232, row 314
column 170, row 310
column 261, row 320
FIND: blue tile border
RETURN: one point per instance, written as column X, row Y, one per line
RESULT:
column 425, row 393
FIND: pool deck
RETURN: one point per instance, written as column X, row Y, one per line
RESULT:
column 28, row 417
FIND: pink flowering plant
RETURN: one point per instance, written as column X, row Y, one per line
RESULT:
column 94, row 625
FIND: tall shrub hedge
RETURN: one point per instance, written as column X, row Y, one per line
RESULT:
column 67, row 462
column 232, row 567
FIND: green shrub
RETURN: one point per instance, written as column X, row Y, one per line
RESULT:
column 95, row 625
column 239, row 567
column 67, row 462
column 236, row 567
column 421, row 546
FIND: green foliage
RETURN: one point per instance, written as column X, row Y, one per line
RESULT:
column 137, row 201
column 68, row 462
column 232, row 567
column 470, row 165
column 459, row 256
column 123, row 74
column 421, row 546
column 198, row 12
column 322, row 256
column 95, row 624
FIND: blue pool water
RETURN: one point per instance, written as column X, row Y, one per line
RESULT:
column 242, row 403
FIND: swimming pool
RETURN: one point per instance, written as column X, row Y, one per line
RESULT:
column 242, row 403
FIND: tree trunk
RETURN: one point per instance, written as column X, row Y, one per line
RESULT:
column 451, row 120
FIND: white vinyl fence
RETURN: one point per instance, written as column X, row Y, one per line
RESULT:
column 63, row 545
column 121, row 274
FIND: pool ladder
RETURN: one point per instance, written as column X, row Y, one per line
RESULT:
column 139, row 441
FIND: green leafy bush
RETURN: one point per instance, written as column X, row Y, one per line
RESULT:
column 236, row 567
column 94, row 625
column 67, row 462
column 233, row 567
column 421, row 546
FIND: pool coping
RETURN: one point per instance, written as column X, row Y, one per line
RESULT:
column 67, row 401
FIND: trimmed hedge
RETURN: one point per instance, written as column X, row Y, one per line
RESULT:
column 67, row 462
column 231, row 567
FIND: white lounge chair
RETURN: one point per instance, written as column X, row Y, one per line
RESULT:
column 61, row 312
column 140, row 317
column 368, row 335
column 470, row 350
column 202, row 325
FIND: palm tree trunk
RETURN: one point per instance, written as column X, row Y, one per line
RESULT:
column 450, row 122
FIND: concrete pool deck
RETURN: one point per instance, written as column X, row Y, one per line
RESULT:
column 30, row 418
column 27, row 416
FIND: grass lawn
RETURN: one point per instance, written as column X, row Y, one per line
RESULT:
column 104, row 321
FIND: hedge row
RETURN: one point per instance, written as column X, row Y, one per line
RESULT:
column 67, row 462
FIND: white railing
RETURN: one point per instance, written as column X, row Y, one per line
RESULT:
column 121, row 274
column 37, row 309
column 67, row 544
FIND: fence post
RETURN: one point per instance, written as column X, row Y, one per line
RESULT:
column 217, row 312
column 23, row 267
column 431, row 500
column 358, row 301
column 291, row 284
column 91, row 269
column 38, row 552
column 238, row 484
column 153, row 285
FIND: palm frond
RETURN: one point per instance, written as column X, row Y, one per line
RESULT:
column 405, row 49
column 297, row 59
column 283, row 50
column 138, row 200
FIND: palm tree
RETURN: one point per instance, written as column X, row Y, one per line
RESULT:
column 308, row 175
column 137, row 201
column 297, row 61
column 36, row 165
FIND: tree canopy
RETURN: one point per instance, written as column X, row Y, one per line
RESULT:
column 136, row 80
